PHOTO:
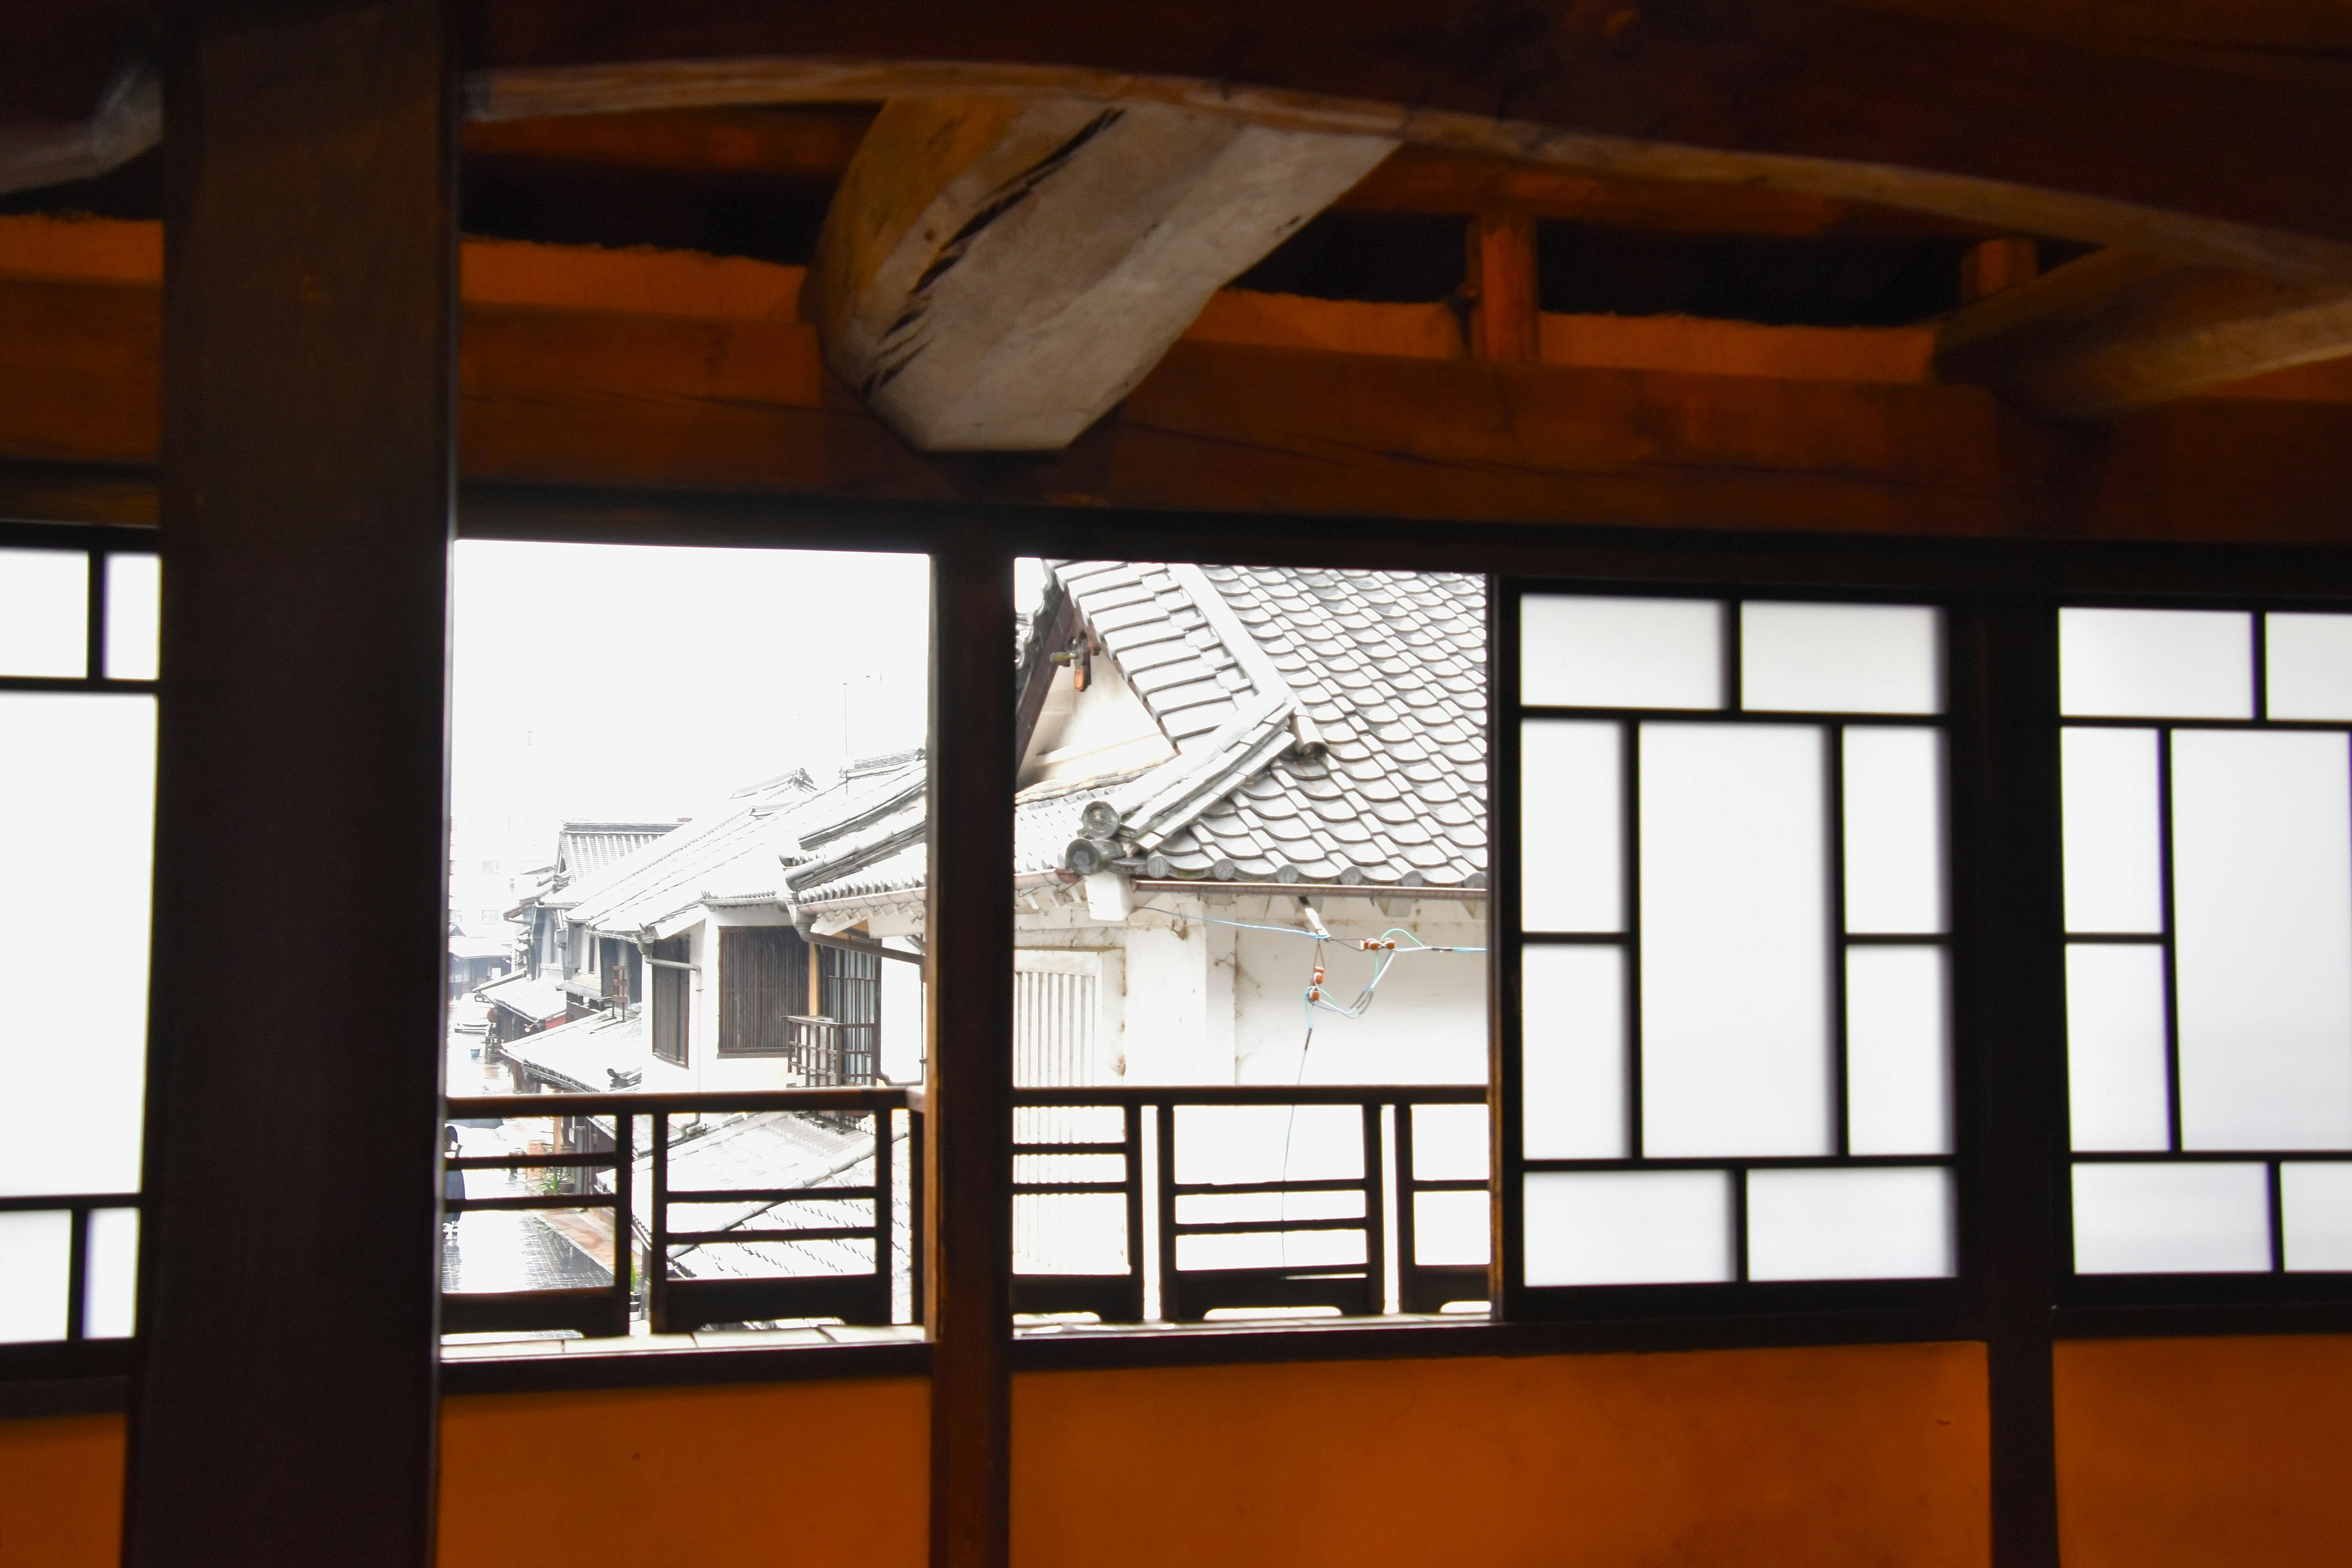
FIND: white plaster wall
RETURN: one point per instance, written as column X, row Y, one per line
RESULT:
column 1427, row 1024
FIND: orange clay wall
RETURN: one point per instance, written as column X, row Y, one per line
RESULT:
column 2215, row 1453
column 2173, row 1453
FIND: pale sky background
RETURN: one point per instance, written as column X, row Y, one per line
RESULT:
column 625, row 683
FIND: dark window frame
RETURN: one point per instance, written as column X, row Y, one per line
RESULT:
column 1959, row 721
column 739, row 1010
column 669, row 996
column 75, row 1373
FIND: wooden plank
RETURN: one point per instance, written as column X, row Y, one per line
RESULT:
column 2193, row 151
column 992, row 276
column 2120, row 330
column 969, row 1095
column 284, row 1408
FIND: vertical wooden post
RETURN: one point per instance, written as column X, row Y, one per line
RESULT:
column 2006, row 849
column 283, row 1403
column 1506, row 319
column 969, row 1105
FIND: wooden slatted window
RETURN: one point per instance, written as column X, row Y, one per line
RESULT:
column 673, row 998
column 762, row 980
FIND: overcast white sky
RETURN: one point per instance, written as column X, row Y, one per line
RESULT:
column 629, row 682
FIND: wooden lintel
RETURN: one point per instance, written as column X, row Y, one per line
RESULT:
column 652, row 371
column 2119, row 329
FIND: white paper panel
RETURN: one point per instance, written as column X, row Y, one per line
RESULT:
column 1841, row 658
column 44, row 612
column 2315, row 1205
column 1628, row 1228
column 2115, row 874
column 2156, row 664
column 2309, row 660
column 2172, row 1219
column 1886, row 1223
column 1893, row 831
column 2116, row 1087
column 77, row 811
column 1583, row 652
column 1450, row 1229
column 1735, row 955
column 1571, row 827
column 2261, row 832
column 134, row 587
column 111, row 1274
column 1572, row 1052
column 35, row 1250
column 1898, row 1051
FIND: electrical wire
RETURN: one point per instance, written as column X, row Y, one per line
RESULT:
column 1385, row 944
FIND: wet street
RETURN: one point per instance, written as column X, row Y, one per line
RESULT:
column 502, row 1251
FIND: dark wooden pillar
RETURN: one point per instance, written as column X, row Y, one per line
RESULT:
column 283, row 1406
column 970, row 1179
column 2008, row 853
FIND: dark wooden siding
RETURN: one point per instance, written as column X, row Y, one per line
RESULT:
column 762, row 980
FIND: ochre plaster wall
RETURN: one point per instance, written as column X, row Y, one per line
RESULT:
column 1862, row 1456
column 61, row 1492
column 2205, row 1453
column 2172, row 1454
column 778, row 1474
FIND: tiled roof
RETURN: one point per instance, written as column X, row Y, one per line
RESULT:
column 1330, row 727
column 743, row 852
column 585, row 848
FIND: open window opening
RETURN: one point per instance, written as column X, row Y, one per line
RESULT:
column 681, row 1099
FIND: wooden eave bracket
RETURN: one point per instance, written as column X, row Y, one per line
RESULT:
column 2119, row 329
column 994, row 274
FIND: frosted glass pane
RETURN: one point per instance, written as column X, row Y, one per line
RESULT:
column 2315, row 1207
column 1571, row 827
column 1893, row 831
column 77, row 808
column 1850, row 1224
column 2308, row 661
column 134, row 586
column 2262, row 835
column 2115, row 879
column 1898, row 1051
column 1579, row 652
column 1628, row 1228
column 1735, row 952
column 2115, row 1048
column 2172, row 1219
column 1572, row 1052
column 109, row 1274
column 2156, row 664
column 1841, row 659
column 44, row 612
column 35, row 1250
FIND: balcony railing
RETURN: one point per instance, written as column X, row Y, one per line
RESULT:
column 674, row 1304
column 826, row 1052
column 1137, row 1269
column 1384, row 1164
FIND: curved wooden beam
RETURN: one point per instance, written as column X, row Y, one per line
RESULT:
column 2192, row 154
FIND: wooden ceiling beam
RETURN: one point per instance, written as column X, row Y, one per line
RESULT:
column 993, row 275
column 644, row 371
column 2196, row 153
column 2119, row 329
